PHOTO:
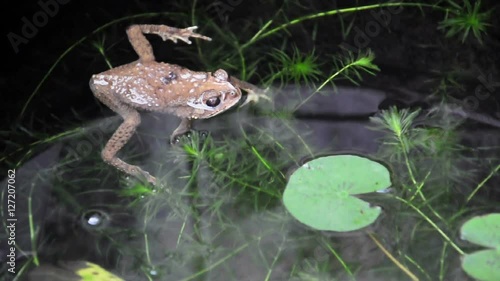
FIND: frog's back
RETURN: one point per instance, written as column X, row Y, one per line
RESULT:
column 142, row 85
column 152, row 70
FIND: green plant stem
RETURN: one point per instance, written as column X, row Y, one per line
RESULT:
column 214, row 265
column 256, row 36
column 415, row 263
column 308, row 149
column 32, row 227
column 392, row 258
column 193, row 23
column 275, row 74
column 193, row 10
column 149, row 277
column 39, row 142
column 24, row 268
column 244, row 184
column 266, row 164
column 323, row 85
column 407, row 163
column 339, row 258
column 275, row 141
column 418, row 186
column 108, row 63
column 260, row 35
column 441, row 262
column 261, row 158
column 278, row 254
column 434, row 225
column 181, row 231
column 481, row 184
column 146, row 247
column 243, row 64
column 148, row 257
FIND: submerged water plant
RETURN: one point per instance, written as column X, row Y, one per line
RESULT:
column 465, row 19
column 297, row 68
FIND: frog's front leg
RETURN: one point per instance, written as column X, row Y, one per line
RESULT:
column 131, row 119
column 142, row 46
column 254, row 92
column 184, row 127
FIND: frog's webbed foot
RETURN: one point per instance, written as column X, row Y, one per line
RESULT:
column 173, row 33
column 254, row 92
column 176, row 138
column 140, row 173
column 255, row 96
column 184, row 130
column 183, row 34
column 200, row 135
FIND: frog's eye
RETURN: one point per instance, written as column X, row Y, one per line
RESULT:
column 213, row 102
column 221, row 74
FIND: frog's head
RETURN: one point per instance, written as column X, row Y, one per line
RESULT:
column 213, row 95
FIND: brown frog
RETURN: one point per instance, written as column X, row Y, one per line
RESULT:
column 161, row 87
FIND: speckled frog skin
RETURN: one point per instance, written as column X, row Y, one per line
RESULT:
column 161, row 87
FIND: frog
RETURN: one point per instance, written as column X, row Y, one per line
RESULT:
column 148, row 85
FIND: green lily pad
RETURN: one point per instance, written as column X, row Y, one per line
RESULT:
column 483, row 265
column 485, row 231
column 319, row 193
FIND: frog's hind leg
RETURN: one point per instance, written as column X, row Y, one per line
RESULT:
column 140, row 43
column 142, row 46
column 131, row 120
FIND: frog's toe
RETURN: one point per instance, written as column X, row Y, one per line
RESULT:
column 152, row 180
column 175, row 139
column 189, row 32
column 201, row 135
column 149, row 178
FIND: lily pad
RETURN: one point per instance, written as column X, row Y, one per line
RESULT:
column 483, row 265
column 485, row 231
column 319, row 193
